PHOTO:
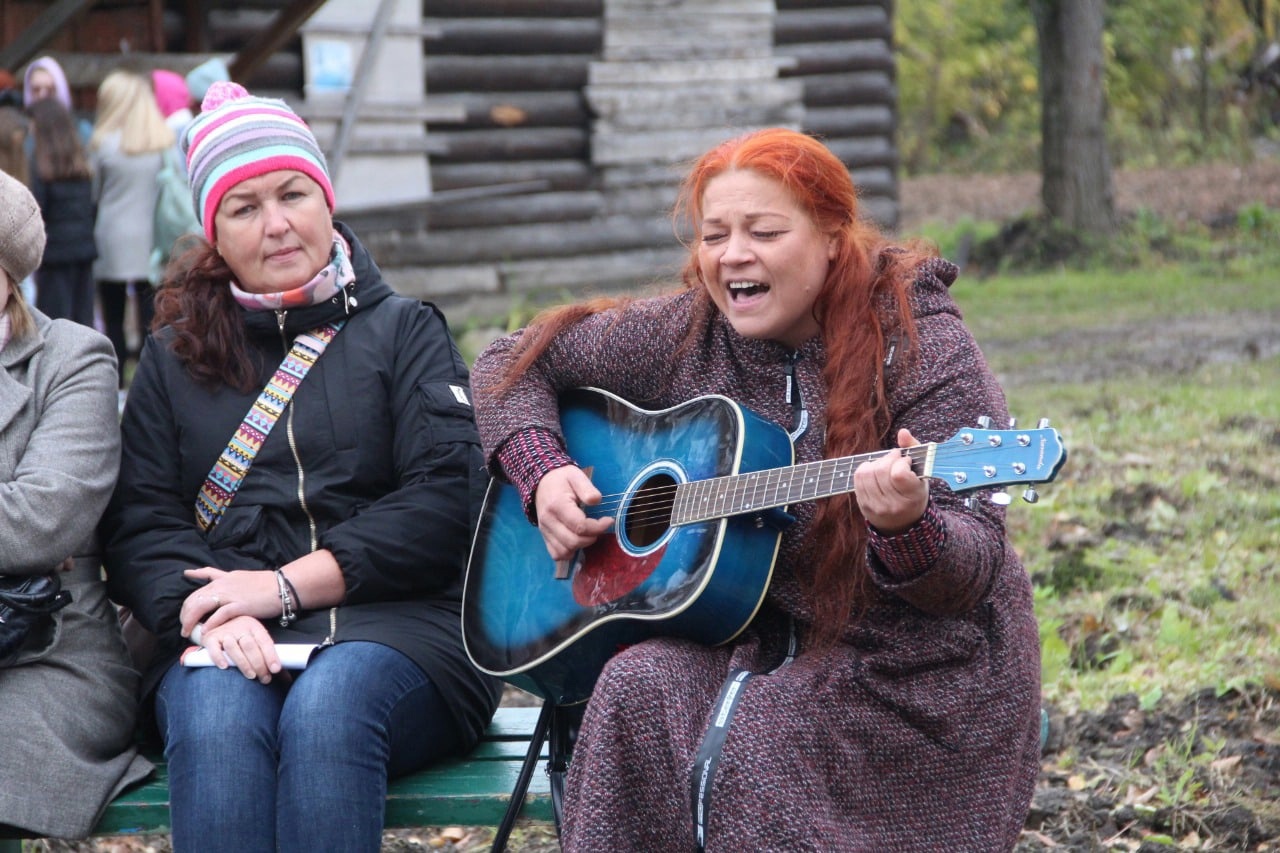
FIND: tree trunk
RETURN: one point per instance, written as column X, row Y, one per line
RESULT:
column 1077, row 168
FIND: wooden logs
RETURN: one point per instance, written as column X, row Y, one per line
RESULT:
column 513, row 8
column 511, row 73
column 481, row 36
column 558, row 175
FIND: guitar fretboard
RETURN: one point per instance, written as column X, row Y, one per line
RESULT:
column 738, row 494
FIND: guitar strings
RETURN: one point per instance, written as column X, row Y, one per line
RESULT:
column 655, row 503
column 661, row 493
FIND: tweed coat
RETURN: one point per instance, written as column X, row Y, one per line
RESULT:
column 68, row 705
column 919, row 730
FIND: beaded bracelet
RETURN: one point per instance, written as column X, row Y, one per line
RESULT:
column 293, row 591
column 287, row 613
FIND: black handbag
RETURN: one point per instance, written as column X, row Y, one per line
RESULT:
column 27, row 604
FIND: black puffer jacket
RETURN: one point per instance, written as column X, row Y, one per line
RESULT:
column 68, row 210
column 389, row 472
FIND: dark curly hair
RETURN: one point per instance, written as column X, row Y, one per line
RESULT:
column 208, row 333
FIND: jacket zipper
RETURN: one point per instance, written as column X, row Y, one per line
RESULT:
column 302, row 481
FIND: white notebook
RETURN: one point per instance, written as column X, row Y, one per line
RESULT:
column 292, row 655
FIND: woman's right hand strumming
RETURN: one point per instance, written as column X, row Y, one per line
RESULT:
column 559, row 499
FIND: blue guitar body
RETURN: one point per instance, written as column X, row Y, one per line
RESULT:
column 552, row 636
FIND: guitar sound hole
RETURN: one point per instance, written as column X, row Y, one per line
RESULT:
column 649, row 514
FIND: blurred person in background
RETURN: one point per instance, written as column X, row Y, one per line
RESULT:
column 174, row 100
column 126, row 153
column 14, row 127
column 204, row 75
column 62, row 186
column 44, row 78
column 13, row 145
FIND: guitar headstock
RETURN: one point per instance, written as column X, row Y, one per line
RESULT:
column 985, row 458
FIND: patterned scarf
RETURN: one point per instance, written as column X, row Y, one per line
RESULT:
column 327, row 283
column 6, row 329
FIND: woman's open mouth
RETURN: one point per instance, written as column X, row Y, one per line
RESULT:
column 745, row 290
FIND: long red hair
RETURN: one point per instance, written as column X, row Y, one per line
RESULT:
column 863, row 309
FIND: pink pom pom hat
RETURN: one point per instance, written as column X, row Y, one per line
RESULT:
column 238, row 136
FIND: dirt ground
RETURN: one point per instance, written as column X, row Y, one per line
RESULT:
column 1204, row 193
column 1082, row 802
column 1085, row 803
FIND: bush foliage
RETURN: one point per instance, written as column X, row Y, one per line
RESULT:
column 1181, row 82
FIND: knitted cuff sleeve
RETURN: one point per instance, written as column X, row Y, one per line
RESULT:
column 915, row 550
column 526, row 457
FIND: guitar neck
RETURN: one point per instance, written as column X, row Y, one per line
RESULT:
column 737, row 494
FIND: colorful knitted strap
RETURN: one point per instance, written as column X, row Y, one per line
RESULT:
column 229, row 471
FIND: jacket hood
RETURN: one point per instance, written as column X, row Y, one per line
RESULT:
column 931, row 292
column 49, row 64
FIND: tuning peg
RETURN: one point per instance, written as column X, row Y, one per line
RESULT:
column 1031, row 495
column 968, row 502
column 1001, row 498
column 984, row 421
column 1013, row 423
column 1043, row 423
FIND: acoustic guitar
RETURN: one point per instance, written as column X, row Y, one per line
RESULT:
column 698, row 494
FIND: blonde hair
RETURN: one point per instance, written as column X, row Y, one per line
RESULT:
column 127, row 105
column 20, row 320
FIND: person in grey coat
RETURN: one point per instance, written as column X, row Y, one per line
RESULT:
column 126, row 153
column 69, row 698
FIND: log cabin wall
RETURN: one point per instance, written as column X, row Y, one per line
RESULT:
column 580, row 116
column 842, row 53
column 105, row 28
column 366, row 100
column 518, row 216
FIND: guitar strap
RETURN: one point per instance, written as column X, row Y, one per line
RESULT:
column 799, row 414
column 708, row 759
column 233, row 464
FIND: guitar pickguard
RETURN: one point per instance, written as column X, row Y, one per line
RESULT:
column 608, row 573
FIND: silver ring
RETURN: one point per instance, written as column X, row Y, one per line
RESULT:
column 217, row 602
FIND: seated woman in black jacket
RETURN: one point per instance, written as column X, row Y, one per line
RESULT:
column 349, row 531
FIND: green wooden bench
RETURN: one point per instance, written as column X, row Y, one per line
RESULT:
column 473, row 790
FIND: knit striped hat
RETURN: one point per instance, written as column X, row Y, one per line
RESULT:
column 238, row 136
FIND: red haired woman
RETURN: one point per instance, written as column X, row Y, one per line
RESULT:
column 895, row 675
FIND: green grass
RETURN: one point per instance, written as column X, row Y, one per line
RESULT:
column 1159, row 543
column 1156, row 554
column 1015, row 308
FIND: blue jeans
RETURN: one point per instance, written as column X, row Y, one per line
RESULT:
column 300, row 766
